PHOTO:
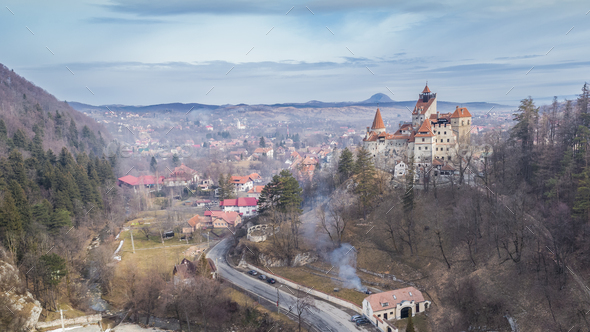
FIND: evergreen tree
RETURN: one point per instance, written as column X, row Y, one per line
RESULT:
column 19, row 139
column 582, row 202
column 282, row 193
column 60, row 218
column 365, row 182
column 582, row 105
column 262, row 142
column 153, row 165
column 10, row 221
column 410, row 326
column 17, row 166
column 54, row 267
column 3, row 131
column 175, row 160
column 20, row 201
column 527, row 118
column 41, row 212
column 73, row 133
column 408, row 198
column 345, row 164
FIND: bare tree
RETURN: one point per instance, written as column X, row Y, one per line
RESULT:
column 303, row 304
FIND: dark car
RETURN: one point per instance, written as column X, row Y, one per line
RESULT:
column 355, row 317
column 252, row 272
column 368, row 292
column 271, row 280
column 262, row 277
column 362, row 322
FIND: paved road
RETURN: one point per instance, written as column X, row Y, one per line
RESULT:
column 329, row 317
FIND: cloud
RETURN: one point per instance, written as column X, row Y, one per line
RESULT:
column 265, row 7
column 118, row 20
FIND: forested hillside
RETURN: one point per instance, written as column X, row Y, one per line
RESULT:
column 51, row 202
column 29, row 113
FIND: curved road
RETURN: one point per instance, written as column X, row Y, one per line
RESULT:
column 327, row 318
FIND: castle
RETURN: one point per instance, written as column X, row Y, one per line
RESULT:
column 430, row 137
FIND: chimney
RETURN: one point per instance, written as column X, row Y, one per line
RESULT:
column 368, row 129
column 457, row 108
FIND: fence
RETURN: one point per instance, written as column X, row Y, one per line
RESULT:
column 92, row 319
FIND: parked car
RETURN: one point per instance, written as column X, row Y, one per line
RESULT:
column 262, row 277
column 362, row 321
column 368, row 292
column 355, row 317
column 271, row 280
column 252, row 272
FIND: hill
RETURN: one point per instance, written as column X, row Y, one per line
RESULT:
column 328, row 108
column 26, row 109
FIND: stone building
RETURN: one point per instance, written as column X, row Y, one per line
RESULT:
column 430, row 136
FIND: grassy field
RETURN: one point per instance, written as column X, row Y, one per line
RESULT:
column 302, row 275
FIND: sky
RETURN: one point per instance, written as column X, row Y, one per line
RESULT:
column 143, row 52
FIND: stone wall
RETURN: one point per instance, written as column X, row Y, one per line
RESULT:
column 321, row 295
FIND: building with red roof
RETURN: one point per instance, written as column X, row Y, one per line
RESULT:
column 393, row 305
column 245, row 206
column 431, row 135
column 146, row 181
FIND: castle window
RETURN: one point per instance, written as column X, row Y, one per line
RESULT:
column 462, row 122
column 419, row 148
column 445, row 133
column 436, row 149
column 443, row 158
column 422, row 140
column 449, row 157
column 467, row 121
column 425, row 148
column 439, row 132
column 447, row 149
column 448, row 140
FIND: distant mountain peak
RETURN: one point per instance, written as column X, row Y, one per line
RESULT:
column 378, row 98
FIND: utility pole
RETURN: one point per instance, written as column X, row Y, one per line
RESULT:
column 132, row 244
column 61, row 314
column 207, row 240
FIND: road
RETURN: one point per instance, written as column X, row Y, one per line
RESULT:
column 328, row 317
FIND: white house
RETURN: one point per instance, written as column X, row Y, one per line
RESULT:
column 245, row 206
column 400, row 169
column 396, row 304
column 242, row 183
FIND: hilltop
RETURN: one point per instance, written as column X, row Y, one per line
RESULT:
column 27, row 108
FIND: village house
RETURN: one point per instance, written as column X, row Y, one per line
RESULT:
column 391, row 305
column 245, row 206
column 181, row 176
column 242, row 183
column 213, row 219
column 263, row 152
column 146, row 181
column 255, row 192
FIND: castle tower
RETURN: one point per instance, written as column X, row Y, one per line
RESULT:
column 425, row 106
column 461, row 123
column 378, row 124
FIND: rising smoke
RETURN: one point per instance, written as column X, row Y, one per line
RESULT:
column 344, row 259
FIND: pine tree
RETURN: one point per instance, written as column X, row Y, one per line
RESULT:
column 408, row 198
column 527, row 118
column 41, row 212
column 365, row 182
column 60, row 218
column 19, row 139
column 73, row 133
column 20, row 201
column 17, row 165
column 410, row 327
column 582, row 201
column 290, row 192
column 175, row 160
column 10, row 221
column 3, row 131
column 345, row 164
column 262, row 142
column 153, row 165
